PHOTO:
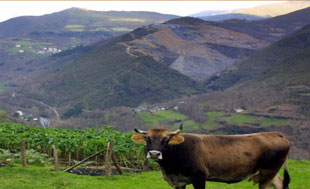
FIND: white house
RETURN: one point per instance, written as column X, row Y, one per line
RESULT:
column 239, row 110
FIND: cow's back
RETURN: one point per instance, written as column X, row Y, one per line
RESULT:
column 232, row 158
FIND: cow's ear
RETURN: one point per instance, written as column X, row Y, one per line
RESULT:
column 176, row 139
column 138, row 138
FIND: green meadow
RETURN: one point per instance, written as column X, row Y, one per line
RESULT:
column 37, row 177
column 214, row 120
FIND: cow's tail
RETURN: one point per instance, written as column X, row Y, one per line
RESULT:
column 287, row 178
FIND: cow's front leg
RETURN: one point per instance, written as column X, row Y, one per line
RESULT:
column 199, row 184
column 181, row 187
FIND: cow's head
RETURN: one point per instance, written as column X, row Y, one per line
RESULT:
column 157, row 140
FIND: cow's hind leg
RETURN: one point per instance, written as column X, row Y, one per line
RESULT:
column 266, row 178
column 181, row 187
column 277, row 182
column 199, row 184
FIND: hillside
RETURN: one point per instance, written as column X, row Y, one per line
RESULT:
column 280, row 70
column 199, row 49
column 80, row 20
column 193, row 47
column 27, row 38
column 110, row 75
column 270, row 29
column 288, row 84
column 262, row 60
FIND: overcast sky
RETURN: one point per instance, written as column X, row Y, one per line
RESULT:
column 10, row 9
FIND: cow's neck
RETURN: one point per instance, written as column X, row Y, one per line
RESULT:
column 174, row 158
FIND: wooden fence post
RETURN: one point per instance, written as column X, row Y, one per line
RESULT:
column 55, row 154
column 115, row 162
column 23, row 153
column 108, row 157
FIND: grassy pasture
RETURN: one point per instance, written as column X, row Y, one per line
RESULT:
column 17, row 177
column 168, row 117
column 161, row 116
column 214, row 120
column 241, row 119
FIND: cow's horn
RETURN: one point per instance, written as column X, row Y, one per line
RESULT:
column 177, row 131
column 140, row 131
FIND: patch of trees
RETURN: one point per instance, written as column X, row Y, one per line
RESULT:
column 75, row 111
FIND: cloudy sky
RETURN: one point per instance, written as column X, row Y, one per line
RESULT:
column 10, row 9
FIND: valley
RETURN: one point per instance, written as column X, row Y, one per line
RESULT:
column 144, row 70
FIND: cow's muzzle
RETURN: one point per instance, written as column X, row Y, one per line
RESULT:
column 154, row 154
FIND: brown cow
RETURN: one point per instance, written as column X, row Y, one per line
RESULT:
column 193, row 159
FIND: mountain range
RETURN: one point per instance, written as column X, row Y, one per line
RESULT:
column 229, row 16
column 155, row 63
column 253, row 13
column 80, row 20
column 27, row 38
column 270, row 29
column 274, row 9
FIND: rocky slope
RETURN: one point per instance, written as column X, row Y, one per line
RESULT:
column 193, row 47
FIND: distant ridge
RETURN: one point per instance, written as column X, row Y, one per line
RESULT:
column 228, row 16
column 85, row 19
column 254, row 13
column 269, row 29
column 275, row 9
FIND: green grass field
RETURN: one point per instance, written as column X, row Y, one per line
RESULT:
column 17, row 177
column 168, row 117
column 241, row 119
column 161, row 116
column 213, row 120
